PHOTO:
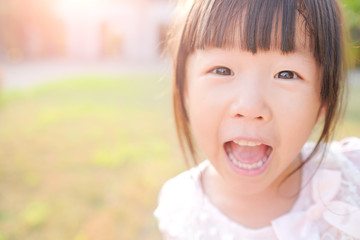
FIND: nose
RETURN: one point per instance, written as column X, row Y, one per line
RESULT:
column 250, row 101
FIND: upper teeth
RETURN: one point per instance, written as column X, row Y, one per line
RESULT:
column 247, row 143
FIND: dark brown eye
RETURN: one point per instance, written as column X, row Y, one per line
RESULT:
column 286, row 75
column 224, row 71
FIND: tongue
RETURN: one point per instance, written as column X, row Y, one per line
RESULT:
column 247, row 154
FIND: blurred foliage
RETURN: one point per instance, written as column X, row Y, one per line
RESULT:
column 352, row 5
column 352, row 14
column 351, row 122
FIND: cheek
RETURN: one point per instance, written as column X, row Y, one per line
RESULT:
column 297, row 120
column 205, row 121
column 203, row 132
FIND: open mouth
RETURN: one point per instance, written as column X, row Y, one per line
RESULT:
column 248, row 156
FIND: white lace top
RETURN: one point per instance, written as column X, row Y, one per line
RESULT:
column 327, row 208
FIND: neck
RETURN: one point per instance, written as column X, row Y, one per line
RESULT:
column 255, row 209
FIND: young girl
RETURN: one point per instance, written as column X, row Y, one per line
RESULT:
column 252, row 79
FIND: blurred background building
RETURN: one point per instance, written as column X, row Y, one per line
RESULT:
column 83, row 29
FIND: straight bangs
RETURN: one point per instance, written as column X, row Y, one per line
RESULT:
column 250, row 25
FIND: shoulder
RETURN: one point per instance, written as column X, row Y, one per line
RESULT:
column 330, row 202
column 179, row 200
column 343, row 157
column 336, row 186
column 350, row 147
column 185, row 184
column 346, row 154
column 180, row 187
column 337, row 153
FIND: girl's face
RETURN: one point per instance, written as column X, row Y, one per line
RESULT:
column 252, row 113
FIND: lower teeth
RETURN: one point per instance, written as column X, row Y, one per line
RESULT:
column 245, row 165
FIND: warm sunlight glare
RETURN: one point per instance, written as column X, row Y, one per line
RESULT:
column 81, row 3
column 68, row 6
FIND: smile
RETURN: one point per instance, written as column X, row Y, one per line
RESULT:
column 248, row 157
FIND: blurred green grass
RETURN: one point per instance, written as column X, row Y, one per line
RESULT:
column 84, row 158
